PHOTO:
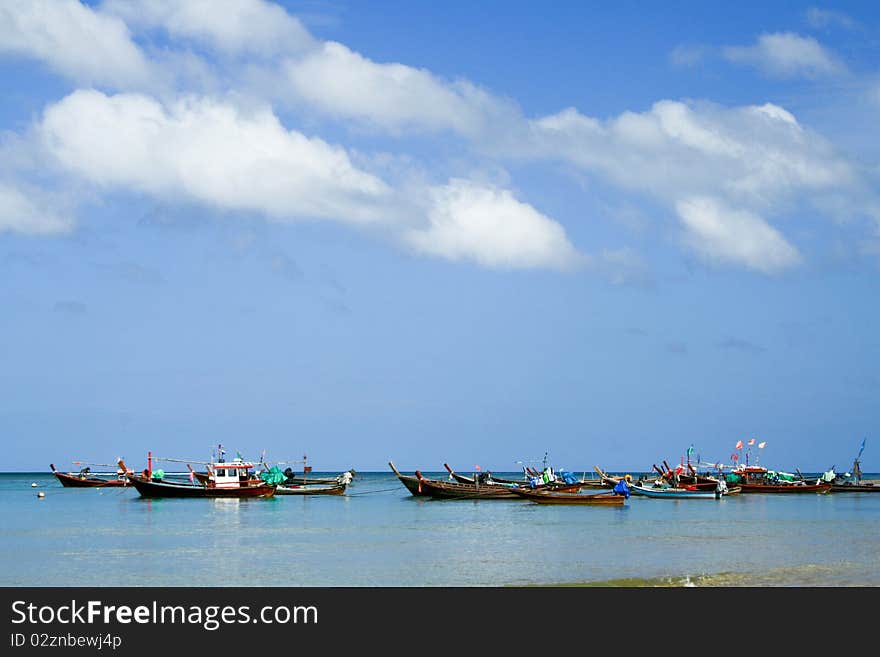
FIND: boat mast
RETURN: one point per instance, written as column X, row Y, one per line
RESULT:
column 857, row 471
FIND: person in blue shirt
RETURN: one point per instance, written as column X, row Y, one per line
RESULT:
column 622, row 486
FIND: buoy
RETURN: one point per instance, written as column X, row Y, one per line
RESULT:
column 41, row 494
column 34, row 485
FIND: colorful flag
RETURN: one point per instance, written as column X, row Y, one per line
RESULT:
column 739, row 444
column 690, row 450
column 477, row 468
column 751, row 442
column 761, row 445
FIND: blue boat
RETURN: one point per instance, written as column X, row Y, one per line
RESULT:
column 669, row 492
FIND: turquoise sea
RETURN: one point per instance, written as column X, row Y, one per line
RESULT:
column 379, row 535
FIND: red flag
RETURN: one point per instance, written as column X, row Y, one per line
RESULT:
column 735, row 457
column 751, row 442
column 739, row 444
column 477, row 468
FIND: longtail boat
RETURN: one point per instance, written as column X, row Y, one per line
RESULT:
column 758, row 479
column 607, row 480
column 411, row 482
column 336, row 488
column 226, row 479
column 306, row 480
column 851, row 482
column 488, row 478
column 673, row 493
column 421, row 486
column 85, row 479
column 333, row 489
column 453, row 489
column 556, row 497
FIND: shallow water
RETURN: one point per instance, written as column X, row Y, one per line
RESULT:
column 379, row 535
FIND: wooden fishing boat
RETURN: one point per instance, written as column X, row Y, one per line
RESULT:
column 607, row 480
column 488, row 478
column 851, row 482
column 758, row 479
column 409, row 481
column 421, row 486
column 455, row 490
column 557, row 497
column 685, row 476
column 861, row 487
column 306, row 480
column 232, row 479
column 336, row 488
column 785, row 488
column 85, row 479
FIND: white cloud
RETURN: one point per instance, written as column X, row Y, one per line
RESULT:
column 688, row 55
column 30, row 213
column 754, row 154
column 394, row 97
column 487, row 225
column 787, row 55
column 723, row 235
column 828, row 17
column 84, row 45
column 754, row 160
column 232, row 26
column 209, row 151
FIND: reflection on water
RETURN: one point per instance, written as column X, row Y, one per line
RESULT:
column 379, row 535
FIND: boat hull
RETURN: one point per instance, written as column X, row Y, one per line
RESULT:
column 677, row 493
column 785, row 489
column 550, row 497
column 310, row 490
column 855, row 488
column 76, row 481
column 155, row 489
column 455, row 490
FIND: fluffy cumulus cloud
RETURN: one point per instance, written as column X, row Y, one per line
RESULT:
column 785, row 54
column 729, row 176
column 232, row 26
column 209, row 151
column 722, row 235
column 29, row 213
column 752, row 160
column 488, row 225
column 77, row 42
column 393, row 97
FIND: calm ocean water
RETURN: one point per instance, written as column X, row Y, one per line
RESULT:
column 379, row 535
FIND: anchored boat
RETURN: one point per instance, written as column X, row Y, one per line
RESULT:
column 336, row 488
column 225, row 479
column 86, row 479
column 558, row 497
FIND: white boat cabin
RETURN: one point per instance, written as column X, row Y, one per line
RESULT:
column 231, row 474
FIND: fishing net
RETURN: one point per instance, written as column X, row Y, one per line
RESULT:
column 273, row 475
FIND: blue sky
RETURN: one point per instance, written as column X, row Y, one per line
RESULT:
column 438, row 232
